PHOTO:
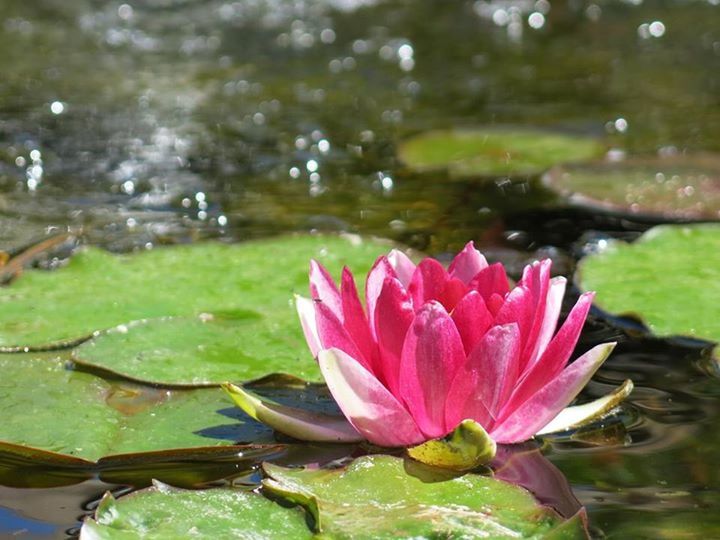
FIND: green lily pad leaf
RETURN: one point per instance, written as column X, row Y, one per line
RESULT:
column 197, row 351
column 165, row 512
column 46, row 406
column 670, row 277
column 303, row 424
column 376, row 497
column 467, row 447
column 492, row 152
column 680, row 187
column 253, row 282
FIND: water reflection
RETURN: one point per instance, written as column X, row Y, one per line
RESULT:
column 526, row 466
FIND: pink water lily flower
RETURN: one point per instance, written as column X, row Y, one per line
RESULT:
column 433, row 347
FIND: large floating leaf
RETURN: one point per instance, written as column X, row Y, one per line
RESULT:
column 677, row 187
column 199, row 350
column 670, row 277
column 163, row 512
column 252, row 282
column 49, row 407
column 380, row 497
column 494, row 151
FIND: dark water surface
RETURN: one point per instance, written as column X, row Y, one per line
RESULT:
column 164, row 121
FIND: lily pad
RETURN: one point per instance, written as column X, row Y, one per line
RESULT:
column 492, row 152
column 683, row 187
column 165, row 512
column 98, row 290
column 380, row 497
column 670, row 277
column 46, row 406
column 199, row 350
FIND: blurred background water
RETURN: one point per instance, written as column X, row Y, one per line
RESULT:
column 165, row 121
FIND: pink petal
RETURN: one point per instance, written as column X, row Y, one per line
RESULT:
column 472, row 319
column 366, row 403
column 354, row 318
column 427, row 283
column 494, row 303
column 322, row 287
column 393, row 315
column 452, row 293
column 555, row 356
column 306, row 311
column 332, row 333
column 546, row 404
column 518, row 308
column 483, row 382
column 490, row 281
column 552, row 312
column 431, row 356
column 373, row 285
column 403, row 266
column 536, row 278
column 467, row 264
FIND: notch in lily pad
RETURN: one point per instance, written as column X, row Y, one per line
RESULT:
column 489, row 152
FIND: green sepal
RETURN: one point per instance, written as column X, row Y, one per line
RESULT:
column 468, row 446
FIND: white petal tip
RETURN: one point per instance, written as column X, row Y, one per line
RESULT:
column 587, row 413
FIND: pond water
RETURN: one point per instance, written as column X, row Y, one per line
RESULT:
column 157, row 122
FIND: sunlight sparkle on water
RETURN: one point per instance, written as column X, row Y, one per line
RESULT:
column 406, row 55
column 57, row 107
column 655, row 29
column 327, row 36
column 125, row 12
column 536, row 20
